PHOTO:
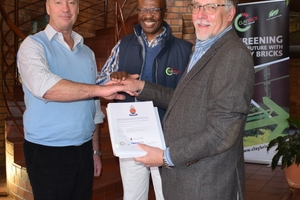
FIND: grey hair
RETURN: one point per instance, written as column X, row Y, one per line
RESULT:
column 231, row 2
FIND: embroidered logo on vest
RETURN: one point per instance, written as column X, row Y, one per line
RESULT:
column 170, row 71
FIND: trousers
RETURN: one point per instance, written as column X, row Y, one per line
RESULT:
column 136, row 178
column 60, row 173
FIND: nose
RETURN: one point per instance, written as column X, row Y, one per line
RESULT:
column 148, row 14
column 201, row 12
column 65, row 6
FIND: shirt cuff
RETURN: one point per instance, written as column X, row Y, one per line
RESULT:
column 102, row 79
column 168, row 158
column 99, row 114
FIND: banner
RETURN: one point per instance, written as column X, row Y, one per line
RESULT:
column 264, row 28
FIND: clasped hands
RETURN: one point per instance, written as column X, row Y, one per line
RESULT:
column 125, row 82
column 131, row 85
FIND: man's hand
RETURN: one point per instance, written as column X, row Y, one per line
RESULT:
column 97, row 165
column 130, row 85
column 110, row 91
column 118, row 76
column 115, row 96
column 152, row 158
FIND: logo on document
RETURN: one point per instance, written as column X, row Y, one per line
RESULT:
column 132, row 111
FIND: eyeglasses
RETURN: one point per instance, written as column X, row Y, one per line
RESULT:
column 152, row 11
column 208, row 8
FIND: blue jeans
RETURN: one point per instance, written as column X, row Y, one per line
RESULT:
column 60, row 173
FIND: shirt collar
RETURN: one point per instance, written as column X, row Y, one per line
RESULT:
column 155, row 41
column 208, row 43
column 202, row 46
column 52, row 33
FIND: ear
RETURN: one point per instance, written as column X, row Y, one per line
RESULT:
column 47, row 7
column 166, row 13
column 231, row 13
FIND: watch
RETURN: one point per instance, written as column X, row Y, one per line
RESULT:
column 96, row 152
column 165, row 163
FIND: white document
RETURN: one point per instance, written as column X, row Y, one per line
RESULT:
column 132, row 123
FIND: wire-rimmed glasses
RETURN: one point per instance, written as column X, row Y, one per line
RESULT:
column 152, row 11
column 208, row 8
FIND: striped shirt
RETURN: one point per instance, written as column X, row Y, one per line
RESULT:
column 32, row 62
column 112, row 63
column 202, row 46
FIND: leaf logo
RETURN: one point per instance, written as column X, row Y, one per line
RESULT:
column 273, row 13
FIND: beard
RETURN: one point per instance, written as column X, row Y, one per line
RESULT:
column 199, row 34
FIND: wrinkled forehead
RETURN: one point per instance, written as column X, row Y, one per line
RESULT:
column 53, row 0
column 202, row 2
column 208, row 1
column 159, row 3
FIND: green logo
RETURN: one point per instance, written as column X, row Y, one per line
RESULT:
column 243, row 22
column 238, row 23
column 170, row 71
column 273, row 13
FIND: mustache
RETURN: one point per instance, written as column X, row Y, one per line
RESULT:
column 202, row 23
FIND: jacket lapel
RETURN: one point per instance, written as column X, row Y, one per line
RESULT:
column 202, row 62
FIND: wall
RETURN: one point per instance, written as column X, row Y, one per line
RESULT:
column 17, row 177
column 2, row 115
column 87, row 30
column 179, row 18
column 180, row 21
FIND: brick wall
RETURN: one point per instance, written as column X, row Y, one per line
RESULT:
column 87, row 30
column 17, row 177
column 179, row 18
column 3, row 112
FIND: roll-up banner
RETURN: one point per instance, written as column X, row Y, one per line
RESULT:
column 264, row 28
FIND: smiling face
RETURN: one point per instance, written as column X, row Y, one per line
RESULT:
column 63, row 14
column 210, row 25
column 151, row 23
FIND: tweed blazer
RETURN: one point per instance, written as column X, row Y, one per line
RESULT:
column 204, row 123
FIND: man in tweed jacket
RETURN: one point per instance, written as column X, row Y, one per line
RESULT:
column 206, row 113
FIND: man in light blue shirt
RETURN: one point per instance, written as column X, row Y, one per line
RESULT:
column 58, row 72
